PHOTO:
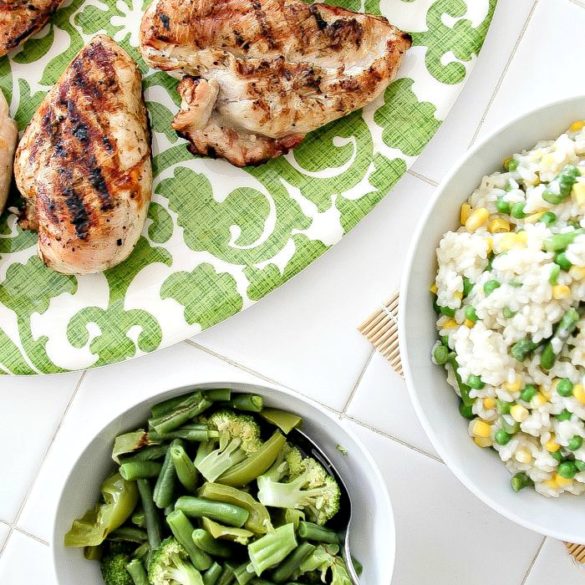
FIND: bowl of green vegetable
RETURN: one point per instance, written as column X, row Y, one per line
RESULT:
column 207, row 485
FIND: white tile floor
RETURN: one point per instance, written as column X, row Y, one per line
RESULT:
column 304, row 336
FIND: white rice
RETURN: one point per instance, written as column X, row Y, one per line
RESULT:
column 526, row 305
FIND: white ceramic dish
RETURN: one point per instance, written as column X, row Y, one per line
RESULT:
column 373, row 533
column 435, row 402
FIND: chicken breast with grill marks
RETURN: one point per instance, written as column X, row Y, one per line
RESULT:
column 83, row 165
column 8, row 138
column 261, row 74
column 19, row 19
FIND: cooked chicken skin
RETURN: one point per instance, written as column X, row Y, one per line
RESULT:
column 8, row 138
column 263, row 73
column 19, row 19
column 83, row 164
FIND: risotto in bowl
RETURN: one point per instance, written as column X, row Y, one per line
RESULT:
column 503, row 254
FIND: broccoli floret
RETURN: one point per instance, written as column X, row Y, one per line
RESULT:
column 239, row 436
column 302, row 484
column 326, row 558
column 114, row 571
column 170, row 565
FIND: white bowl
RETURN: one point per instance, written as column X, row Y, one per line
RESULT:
column 372, row 530
column 480, row 470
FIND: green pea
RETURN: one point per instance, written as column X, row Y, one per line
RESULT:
column 511, row 164
column 580, row 465
column 503, row 407
column 441, row 355
column 470, row 313
column 502, row 437
column 564, row 415
column 508, row 313
column 475, row 382
column 517, row 211
column 575, row 443
column 467, row 286
column 447, row 311
column 557, row 455
column 503, row 206
column 563, row 262
column 466, row 410
column 528, row 393
column 548, row 218
column 567, row 469
column 520, row 481
column 565, row 387
column 554, row 274
column 490, row 286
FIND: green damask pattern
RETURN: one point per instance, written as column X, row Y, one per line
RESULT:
column 216, row 238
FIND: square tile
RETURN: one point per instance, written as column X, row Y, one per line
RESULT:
column 554, row 565
column 445, row 535
column 304, row 334
column 382, row 402
column 4, row 530
column 103, row 394
column 538, row 73
column 39, row 403
column 25, row 561
column 454, row 136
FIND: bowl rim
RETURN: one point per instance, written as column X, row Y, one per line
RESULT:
column 264, row 388
column 431, row 208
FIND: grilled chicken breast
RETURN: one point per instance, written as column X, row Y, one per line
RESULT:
column 83, row 164
column 8, row 138
column 263, row 73
column 19, row 19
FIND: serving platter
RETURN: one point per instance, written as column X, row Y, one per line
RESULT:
column 217, row 238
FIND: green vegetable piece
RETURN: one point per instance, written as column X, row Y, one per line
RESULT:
column 522, row 349
column 490, row 286
column 218, row 531
column 554, row 274
column 204, row 541
column 441, row 354
column 466, row 410
column 136, row 570
column 564, row 415
column 528, row 393
column 565, row 387
column 580, row 465
column 548, row 218
column 562, row 261
column 562, row 333
column 575, row 443
column 511, row 428
column 133, row 470
column 128, row 534
column 502, row 437
column 560, row 242
column 212, row 575
column 291, row 564
column 227, row 577
column 165, row 484
column 316, row 533
column 272, row 549
column 503, row 206
column 467, row 286
column 247, row 402
column 184, row 468
column 475, row 382
column 130, row 442
column 187, row 409
column 149, row 454
column 567, row 469
column 228, row 514
column 259, row 518
column 503, row 407
column 170, row 566
column 114, row 571
column 285, row 421
column 564, row 181
column 218, row 395
column 120, row 498
column 447, row 311
column 150, row 514
column 557, row 455
column 256, row 464
column 470, row 313
column 92, row 553
column 244, row 573
column 182, row 530
column 517, row 211
column 511, row 164
column 520, row 481
column 192, row 432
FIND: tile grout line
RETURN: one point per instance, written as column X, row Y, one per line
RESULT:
column 358, row 382
column 12, row 525
column 531, row 566
column 30, row 535
column 504, row 73
column 579, row 3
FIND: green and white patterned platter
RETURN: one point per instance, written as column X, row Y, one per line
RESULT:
column 217, row 238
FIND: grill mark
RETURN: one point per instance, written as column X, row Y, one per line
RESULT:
column 78, row 213
column 321, row 23
column 98, row 182
column 166, row 21
column 263, row 23
column 37, row 22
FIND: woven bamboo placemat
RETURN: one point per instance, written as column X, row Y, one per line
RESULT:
column 381, row 330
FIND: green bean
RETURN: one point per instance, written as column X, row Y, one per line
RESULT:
column 193, row 432
column 189, row 408
column 554, row 274
column 184, row 468
column 243, row 576
column 255, row 464
column 140, row 470
column 142, row 550
column 520, row 481
column 167, row 406
column 563, row 330
column 130, row 442
column 137, row 572
column 212, row 574
column 563, row 262
column 138, row 519
column 522, row 349
column 247, row 402
column 129, row 534
column 560, row 242
column 165, row 484
column 464, row 389
column 218, row 394
column 565, row 180
column 220, row 532
column 548, row 218
column 316, row 533
column 150, row 513
column 227, row 577
column 208, row 544
column 182, row 530
column 149, row 454
column 93, row 553
column 285, row 421
column 221, row 512
column 291, row 563
column 466, row 410
column 359, row 568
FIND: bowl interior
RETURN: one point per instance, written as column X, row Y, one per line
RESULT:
column 372, row 532
column 479, row 469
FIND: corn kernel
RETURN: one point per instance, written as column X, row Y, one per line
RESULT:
column 469, row 323
column 577, row 125
column 562, row 481
column 509, row 241
column 483, row 443
column 545, row 392
column 479, row 428
column 498, row 225
column 514, row 386
column 477, row 219
column 534, row 217
column 458, row 294
column 551, row 484
column 464, row 213
column 538, row 400
column 523, row 456
column 577, row 272
column 519, row 413
column 449, row 324
column 578, row 193
column 489, row 403
column 579, row 393
column 522, row 237
column 551, row 445
column 561, row 291
column 434, row 288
